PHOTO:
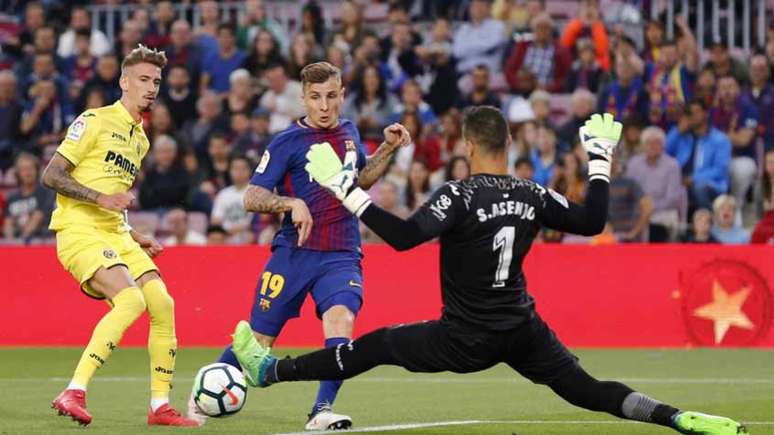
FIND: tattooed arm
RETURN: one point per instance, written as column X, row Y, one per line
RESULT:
column 260, row 200
column 57, row 176
column 395, row 136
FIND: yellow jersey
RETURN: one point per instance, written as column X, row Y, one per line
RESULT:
column 106, row 147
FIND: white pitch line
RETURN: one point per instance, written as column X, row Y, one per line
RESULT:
column 442, row 380
column 408, row 426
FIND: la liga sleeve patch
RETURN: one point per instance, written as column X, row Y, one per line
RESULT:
column 77, row 128
column 264, row 162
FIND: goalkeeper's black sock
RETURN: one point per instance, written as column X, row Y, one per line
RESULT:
column 581, row 389
column 341, row 362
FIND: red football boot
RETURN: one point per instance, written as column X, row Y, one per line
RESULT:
column 168, row 416
column 72, row 403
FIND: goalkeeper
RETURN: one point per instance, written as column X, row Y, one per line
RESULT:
column 486, row 225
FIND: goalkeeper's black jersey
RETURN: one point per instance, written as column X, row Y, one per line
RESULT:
column 486, row 225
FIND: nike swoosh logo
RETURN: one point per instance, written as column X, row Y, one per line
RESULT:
column 587, row 138
column 354, row 284
column 234, row 398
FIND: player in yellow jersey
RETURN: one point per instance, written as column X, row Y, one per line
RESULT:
column 92, row 172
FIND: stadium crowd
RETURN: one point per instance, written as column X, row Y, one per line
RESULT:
column 696, row 163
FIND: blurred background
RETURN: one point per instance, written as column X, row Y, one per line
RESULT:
column 690, row 80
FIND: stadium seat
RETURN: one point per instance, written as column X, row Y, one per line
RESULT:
column 145, row 222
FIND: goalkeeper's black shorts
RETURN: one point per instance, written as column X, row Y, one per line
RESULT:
column 532, row 349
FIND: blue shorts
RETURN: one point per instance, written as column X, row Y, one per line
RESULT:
column 333, row 278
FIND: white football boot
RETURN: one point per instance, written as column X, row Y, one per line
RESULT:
column 194, row 413
column 326, row 419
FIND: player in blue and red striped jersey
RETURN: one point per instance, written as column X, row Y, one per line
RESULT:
column 317, row 249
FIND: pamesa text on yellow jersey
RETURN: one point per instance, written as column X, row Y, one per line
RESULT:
column 106, row 147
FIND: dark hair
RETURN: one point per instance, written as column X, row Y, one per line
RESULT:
column 486, row 126
column 766, row 181
column 24, row 155
column 381, row 91
column 697, row 102
column 411, row 198
column 449, row 171
column 417, row 119
column 215, row 229
column 318, row 23
column 524, row 161
column 668, row 42
column 242, row 157
column 85, row 33
column 226, row 26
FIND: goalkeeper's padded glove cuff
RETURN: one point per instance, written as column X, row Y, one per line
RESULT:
column 599, row 169
column 356, row 201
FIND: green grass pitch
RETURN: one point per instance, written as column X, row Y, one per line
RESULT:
column 736, row 383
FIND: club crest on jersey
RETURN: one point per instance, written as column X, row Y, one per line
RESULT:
column 76, row 129
column 109, row 254
column 349, row 145
column 264, row 162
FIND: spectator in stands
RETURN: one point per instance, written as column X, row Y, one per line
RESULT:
column 386, row 196
column 44, row 43
column 543, row 60
column 588, row 24
column 764, row 198
column 166, row 182
column 723, row 64
column 630, row 144
column 196, row 133
column 80, row 67
column 350, row 30
column 257, row 138
column 411, row 101
column 34, row 18
column 481, row 95
column 457, row 169
column 418, row 185
column 626, row 96
column 313, row 23
column 398, row 56
column 703, row 153
column 94, row 99
column 11, row 110
column 545, row 156
column 161, row 123
column 737, row 117
column 725, row 230
column 219, row 150
column 540, row 103
column 479, row 41
column 450, row 138
column 570, row 178
column 228, row 210
column 128, row 39
column 28, row 208
column 182, row 51
column 219, row 65
column 658, row 174
column 282, row 99
column 239, row 130
column 262, row 54
column 516, row 14
column 701, row 228
column 179, row 96
column 630, row 208
column 761, row 93
column 44, row 68
column 159, row 33
column 216, row 235
column 300, row 56
column 367, row 53
column 582, row 105
column 524, row 169
column 207, row 31
column 439, row 68
column 704, row 88
column 255, row 20
column 241, row 97
column 369, row 105
column 141, row 18
column 80, row 19
column 45, row 116
column 106, row 79
column 585, row 71
column 654, row 36
column 180, row 232
column 424, row 146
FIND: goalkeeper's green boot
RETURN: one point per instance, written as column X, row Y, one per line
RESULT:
column 697, row 423
column 253, row 357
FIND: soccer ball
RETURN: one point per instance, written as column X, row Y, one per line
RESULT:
column 219, row 390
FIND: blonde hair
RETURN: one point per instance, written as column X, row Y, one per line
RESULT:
column 143, row 54
column 319, row 72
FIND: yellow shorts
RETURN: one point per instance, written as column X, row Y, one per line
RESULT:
column 83, row 250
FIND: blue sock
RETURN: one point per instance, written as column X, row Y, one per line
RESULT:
column 229, row 357
column 328, row 389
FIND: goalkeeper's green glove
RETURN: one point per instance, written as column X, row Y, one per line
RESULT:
column 324, row 166
column 599, row 136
